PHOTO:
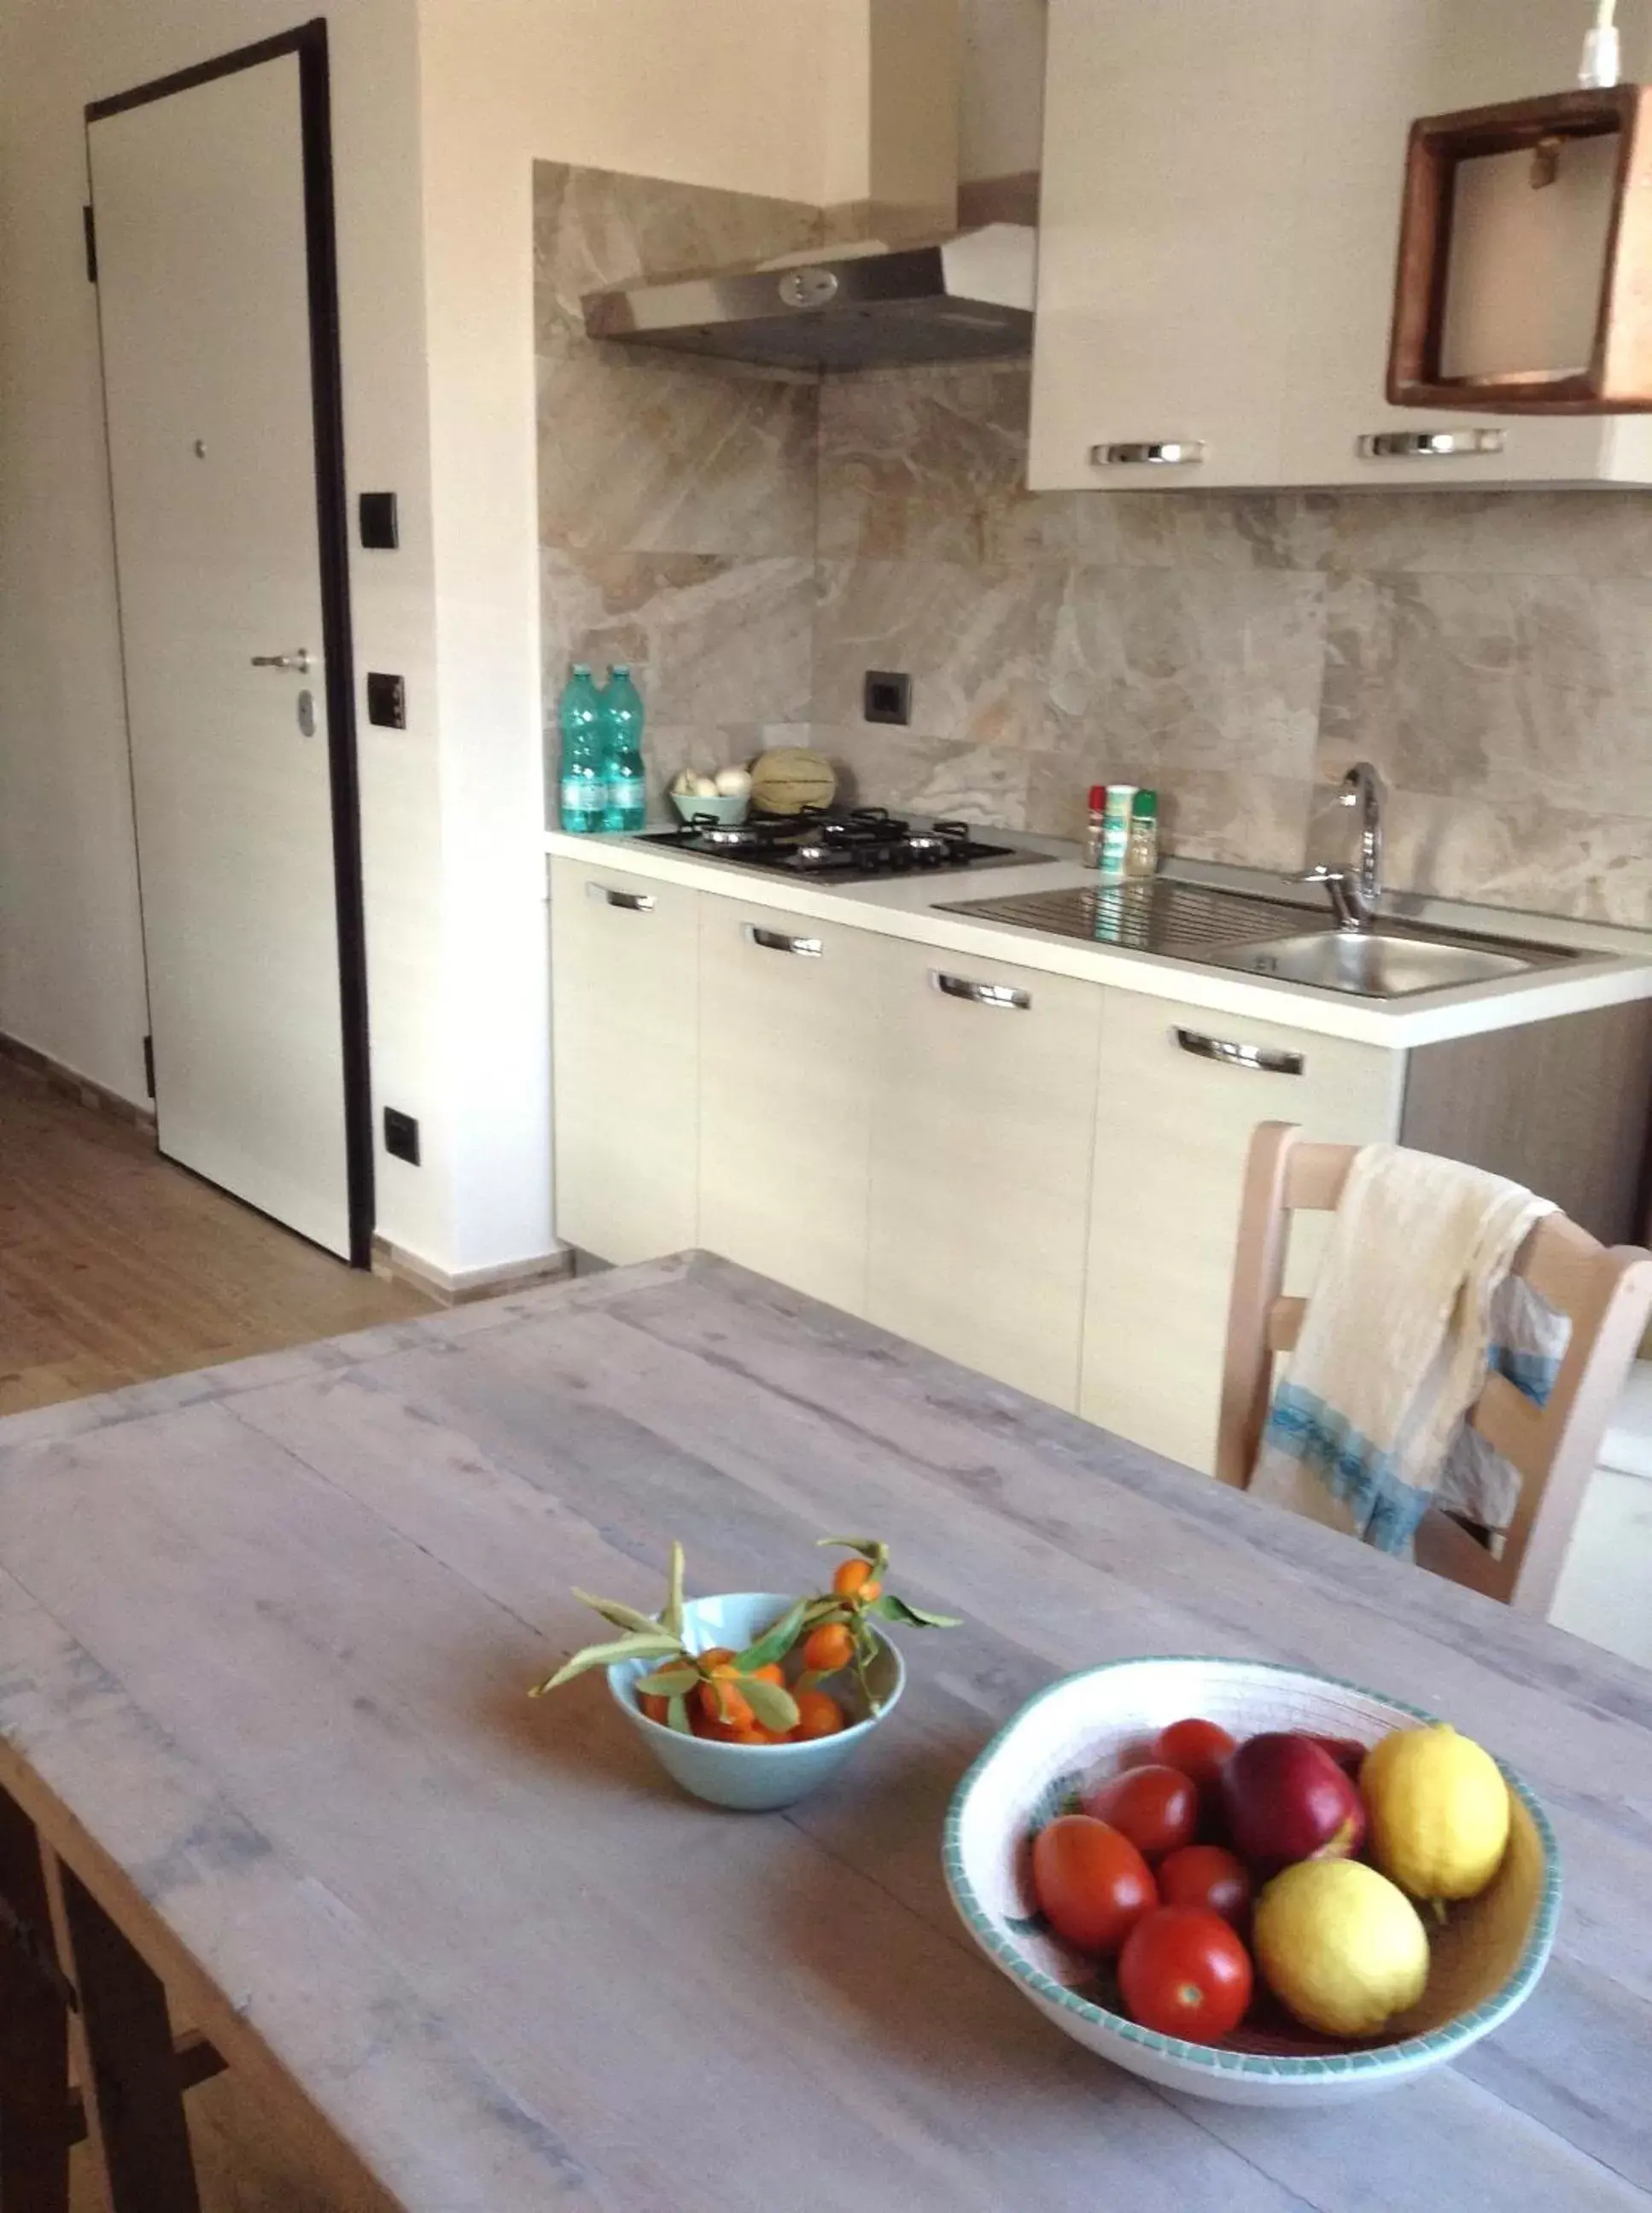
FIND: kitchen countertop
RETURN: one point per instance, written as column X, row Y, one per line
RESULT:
column 265, row 1635
column 1618, row 966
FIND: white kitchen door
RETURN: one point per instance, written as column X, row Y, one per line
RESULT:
column 205, row 274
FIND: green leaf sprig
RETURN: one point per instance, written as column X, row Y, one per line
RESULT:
column 857, row 1609
column 660, row 1637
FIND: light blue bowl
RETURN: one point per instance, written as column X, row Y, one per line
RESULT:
column 731, row 813
column 752, row 1777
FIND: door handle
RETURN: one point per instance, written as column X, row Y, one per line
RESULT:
column 1266, row 1059
column 632, row 902
column 300, row 662
column 776, row 940
column 1427, row 445
column 1150, row 453
column 980, row 995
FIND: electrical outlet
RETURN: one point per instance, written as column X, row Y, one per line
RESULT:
column 887, row 695
column 401, row 1135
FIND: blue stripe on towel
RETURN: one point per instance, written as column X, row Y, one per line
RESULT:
column 1534, row 1373
column 1386, row 1509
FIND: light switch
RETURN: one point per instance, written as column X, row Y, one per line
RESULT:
column 381, row 527
column 387, row 701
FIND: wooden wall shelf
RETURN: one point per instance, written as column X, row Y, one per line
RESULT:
column 1614, row 376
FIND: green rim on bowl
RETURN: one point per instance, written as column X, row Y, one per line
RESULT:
column 1466, row 2030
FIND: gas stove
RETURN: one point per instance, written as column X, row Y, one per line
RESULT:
column 849, row 849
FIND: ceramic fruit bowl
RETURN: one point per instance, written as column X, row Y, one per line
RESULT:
column 729, row 813
column 754, row 1778
column 1485, row 1961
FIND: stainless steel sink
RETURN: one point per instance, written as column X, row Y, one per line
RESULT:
column 1264, row 937
column 1374, row 964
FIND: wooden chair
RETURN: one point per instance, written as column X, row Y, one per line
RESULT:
column 1607, row 1294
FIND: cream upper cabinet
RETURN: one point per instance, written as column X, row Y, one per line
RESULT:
column 1375, row 68
column 625, row 976
column 1221, row 196
column 788, row 1032
column 982, row 1139
column 1172, row 169
column 1182, row 1090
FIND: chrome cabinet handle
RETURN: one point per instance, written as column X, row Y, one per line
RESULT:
column 1155, row 453
column 979, row 994
column 299, row 662
column 633, row 902
column 776, row 940
column 1427, row 445
column 1268, row 1059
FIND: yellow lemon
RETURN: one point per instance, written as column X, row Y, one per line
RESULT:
column 1340, row 1945
column 1439, row 1811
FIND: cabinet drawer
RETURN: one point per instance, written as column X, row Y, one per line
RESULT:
column 1182, row 1090
column 625, row 961
column 787, row 1034
column 981, row 1164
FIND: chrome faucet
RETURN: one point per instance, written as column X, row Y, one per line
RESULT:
column 1355, row 894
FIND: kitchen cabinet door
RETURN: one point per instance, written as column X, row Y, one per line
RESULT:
column 981, row 1151
column 1374, row 69
column 789, row 1017
column 625, row 966
column 1218, row 237
column 1174, row 1128
column 1173, row 151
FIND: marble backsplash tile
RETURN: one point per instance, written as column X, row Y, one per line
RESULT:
column 1192, row 667
column 977, row 642
column 722, row 641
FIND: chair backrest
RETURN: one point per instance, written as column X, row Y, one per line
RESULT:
column 1606, row 1293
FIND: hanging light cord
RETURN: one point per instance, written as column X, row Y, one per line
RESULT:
column 1599, row 66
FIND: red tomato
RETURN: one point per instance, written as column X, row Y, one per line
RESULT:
column 1197, row 1748
column 1211, row 1875
column 1183, row 1972
column 1157, row 1807
column 1091, row 1882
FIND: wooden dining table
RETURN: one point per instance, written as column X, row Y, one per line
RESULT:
column 272, row 1776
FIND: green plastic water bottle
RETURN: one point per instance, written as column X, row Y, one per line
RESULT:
column 625, row 806
column 581, row 785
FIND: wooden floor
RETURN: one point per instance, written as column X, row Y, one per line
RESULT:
column 116, row 1266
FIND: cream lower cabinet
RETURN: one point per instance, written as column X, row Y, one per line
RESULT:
column 625, row 975
column 789, row 1026
column 1182, row 1090
column 981, row 1150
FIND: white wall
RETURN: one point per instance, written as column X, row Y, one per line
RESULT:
column 717, row 92
column 1001, row 106
column 70, row 947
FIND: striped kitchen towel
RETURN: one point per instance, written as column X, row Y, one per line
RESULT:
column 1363, row 1430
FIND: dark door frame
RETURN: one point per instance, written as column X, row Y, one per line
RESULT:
column 308, row 41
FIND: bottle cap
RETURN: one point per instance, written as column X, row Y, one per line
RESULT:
column 619, row 668
column 1121, row 798
column 1145, row 803
column 582, row 668
column 1097, row 797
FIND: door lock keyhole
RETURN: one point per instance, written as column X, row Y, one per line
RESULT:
column 306, row 713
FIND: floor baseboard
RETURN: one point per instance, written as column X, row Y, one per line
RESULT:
column 73, row 1085
column 455, row 1289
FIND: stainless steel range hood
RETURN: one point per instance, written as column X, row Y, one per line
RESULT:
column 867, row 306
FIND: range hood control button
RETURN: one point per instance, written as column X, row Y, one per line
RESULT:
column 809, row 288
